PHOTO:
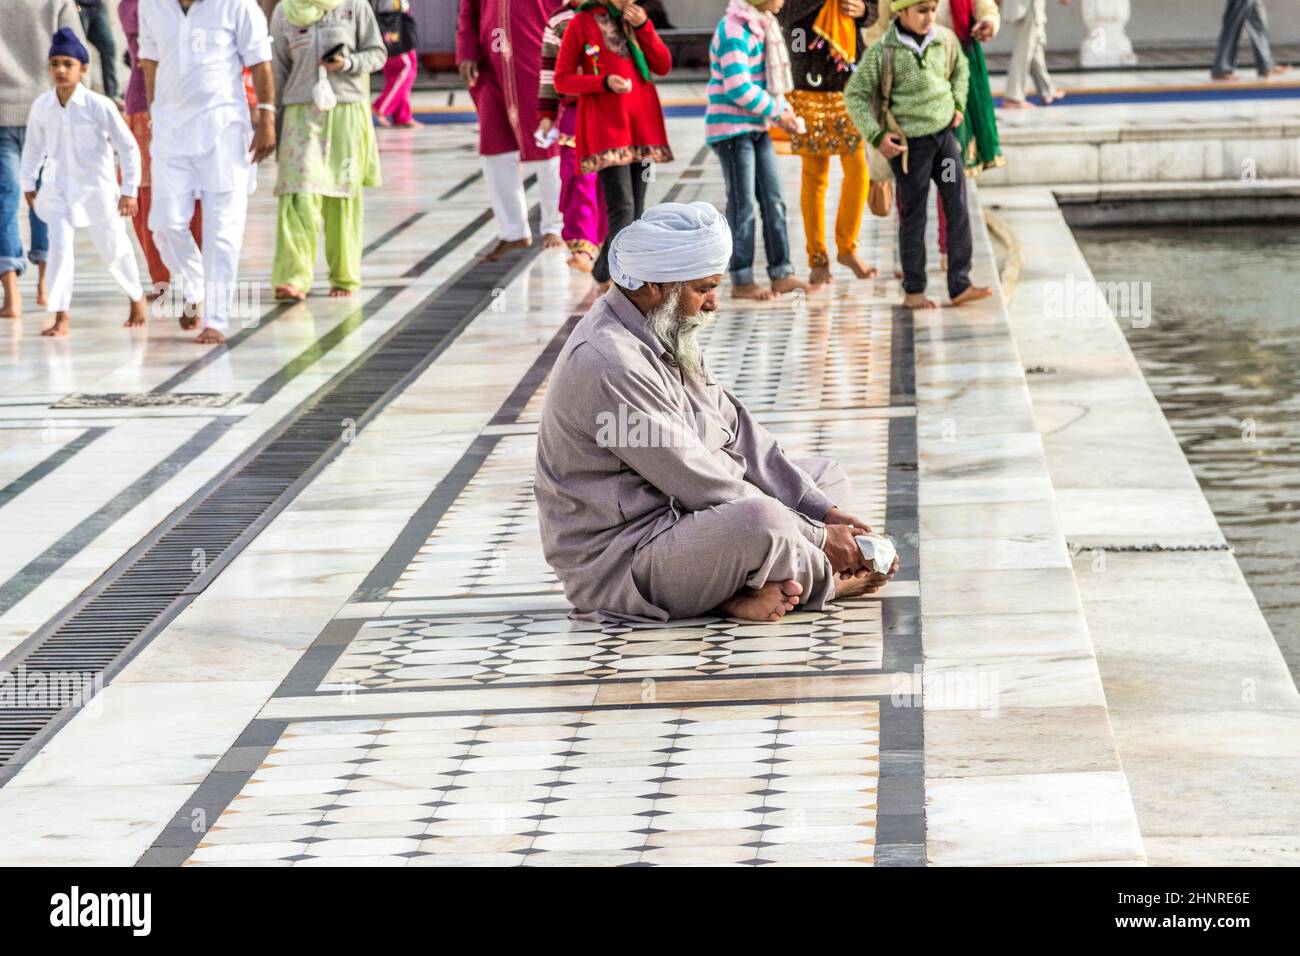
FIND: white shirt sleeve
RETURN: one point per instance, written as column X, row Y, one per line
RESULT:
column 251, row 36
column 128, row 151
column 33, row 148
column 147, row 44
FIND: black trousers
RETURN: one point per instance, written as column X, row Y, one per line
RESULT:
column 935, row 158
column 624, row 188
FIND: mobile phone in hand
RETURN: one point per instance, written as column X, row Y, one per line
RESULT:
column 332, row 52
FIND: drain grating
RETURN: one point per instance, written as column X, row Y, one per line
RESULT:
column 147, row 400
column 131, row 602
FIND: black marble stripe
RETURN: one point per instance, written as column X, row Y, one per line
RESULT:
column 34, row 474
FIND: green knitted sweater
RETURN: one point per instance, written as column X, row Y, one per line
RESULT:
column 923, row 96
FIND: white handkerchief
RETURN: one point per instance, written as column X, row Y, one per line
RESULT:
column 878, row 551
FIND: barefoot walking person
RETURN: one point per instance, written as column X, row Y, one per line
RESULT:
column 915, row 131
column 824, row 38
column 204, row 146
column 1245, row 15
column 393, row 105
column 327, row 151
column 1029, row 56
column 609, row 53
column 72, row 134
column 749, row 76
column 499, row 55
column 659, row 495
column 137, row 120
column 581, row 202
column 24, row 75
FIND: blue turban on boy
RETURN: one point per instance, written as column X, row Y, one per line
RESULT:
column 66, row 43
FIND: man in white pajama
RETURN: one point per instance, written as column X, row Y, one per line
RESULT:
column 193, row 53
column 72, row 134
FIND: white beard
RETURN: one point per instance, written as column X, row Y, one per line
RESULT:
column 677, row 333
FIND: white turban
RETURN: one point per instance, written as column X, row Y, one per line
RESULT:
column 671, row 242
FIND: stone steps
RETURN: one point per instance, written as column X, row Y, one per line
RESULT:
column 1021, row 763
column 1205, row 714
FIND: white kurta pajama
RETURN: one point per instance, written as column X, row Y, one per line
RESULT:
column 201, row 139
column 70, row 149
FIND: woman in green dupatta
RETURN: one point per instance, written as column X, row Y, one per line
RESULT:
column 976, row 22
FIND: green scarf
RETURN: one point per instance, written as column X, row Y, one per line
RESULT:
column 303, row 13
column 630, row 32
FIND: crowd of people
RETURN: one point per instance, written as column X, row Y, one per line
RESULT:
column 897, row 91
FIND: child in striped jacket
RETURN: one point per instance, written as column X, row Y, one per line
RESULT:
column 749, row 75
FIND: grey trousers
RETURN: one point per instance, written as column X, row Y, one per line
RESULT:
column 1248, row 15
column 708, row 556
column 1029, row 55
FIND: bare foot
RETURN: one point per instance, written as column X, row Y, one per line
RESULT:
column 790, row 283
column 752, row 291
column 505, row 246
column 40, row 284
column 552, row 241
column 581, row 261
column 898, row 274
column 340, row 293
column 917, row 300
column 289, row 293
column 973, row 293
column 820, row 275
column 210, row 336
column 856, row 583
column 860, row 269
column 1276, row 71
column 138, row 314
column 60, row 326
column 13, row 307
column 383, row 121
column 768, row 603
column 1052, row 97
column 187, row 321
column 1009, row 104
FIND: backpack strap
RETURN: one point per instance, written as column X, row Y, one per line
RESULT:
column 950, row 48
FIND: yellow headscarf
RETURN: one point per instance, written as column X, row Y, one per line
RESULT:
column 303, row 13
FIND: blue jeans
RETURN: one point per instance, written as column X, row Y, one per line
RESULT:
column 749, row 168
column 94, row 22
column 1248, row 15
column 11, row 201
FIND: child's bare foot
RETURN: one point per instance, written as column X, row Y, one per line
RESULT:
column 138, row 314
column 505, row 246
column 552, row 241
column 790, row 283
column 820, row 275
column 917, row 300
column 752, row 291
column 40, row 284
column 768, row 603
column 860, row 269
column 13, row 307
column 972, row 293
column 337, row 293
column 1010, row 104
column 288, row 293
column 60, row 326
column 581, row 261
column 210, row 336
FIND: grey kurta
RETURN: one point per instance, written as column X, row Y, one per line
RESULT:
column 627, row 450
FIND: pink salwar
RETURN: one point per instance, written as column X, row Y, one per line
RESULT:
column 399, row 77
column 580, row 197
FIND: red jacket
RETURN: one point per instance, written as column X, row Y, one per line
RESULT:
column 614, row 129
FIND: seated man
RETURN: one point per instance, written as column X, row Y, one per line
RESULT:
column 659, row 495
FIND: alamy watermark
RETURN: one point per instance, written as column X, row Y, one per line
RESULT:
column 1087, row 298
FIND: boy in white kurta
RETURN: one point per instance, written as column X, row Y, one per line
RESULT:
column 71, row 136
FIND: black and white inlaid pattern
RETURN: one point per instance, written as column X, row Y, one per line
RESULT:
column 549, row 646
column 755, row 785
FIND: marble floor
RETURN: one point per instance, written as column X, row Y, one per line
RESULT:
column 387, row 673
